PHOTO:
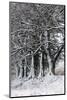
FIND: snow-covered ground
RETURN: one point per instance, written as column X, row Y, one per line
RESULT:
column 44, row 86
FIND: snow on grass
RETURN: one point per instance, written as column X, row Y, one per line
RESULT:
column 44, row 86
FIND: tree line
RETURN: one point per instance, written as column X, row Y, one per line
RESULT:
column 37, row 38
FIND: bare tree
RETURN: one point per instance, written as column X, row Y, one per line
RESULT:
column 34, row 29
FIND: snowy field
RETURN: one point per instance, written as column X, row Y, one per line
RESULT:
column 44, row 86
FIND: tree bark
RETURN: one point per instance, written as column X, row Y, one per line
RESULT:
column 41, row 66
column 50, row 64
column 32, row 66
column 53, row 67
column 20, row 75
column 25, row 68
column 16, row 68
column 58, row 53
column 48, row 53
column 56, row 57
column 31, row 74
column 41, row 56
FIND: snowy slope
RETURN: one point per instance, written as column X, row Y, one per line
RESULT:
column 44, row 86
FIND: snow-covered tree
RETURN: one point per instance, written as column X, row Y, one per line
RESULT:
column 36, row 29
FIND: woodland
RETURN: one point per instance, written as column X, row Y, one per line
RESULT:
column 37, row 39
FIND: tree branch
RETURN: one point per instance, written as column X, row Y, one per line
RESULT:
column 60, row 50
column 15, row 51
column 12, row 33
column 37, row 49
column 47, row 29
column 55, row 27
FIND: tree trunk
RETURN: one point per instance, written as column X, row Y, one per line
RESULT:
column 32, row 66
column 16, row 71
column 25, row 58
column 50, row 64
column 56, row 57
column 25, row 68
column 41, row 67
column 53, row 67
column 41, row 56
column 20, row 75
column 49, row 54
column 31, row 74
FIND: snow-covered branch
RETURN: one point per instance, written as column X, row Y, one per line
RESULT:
column 55, row 27
column 25, row 29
